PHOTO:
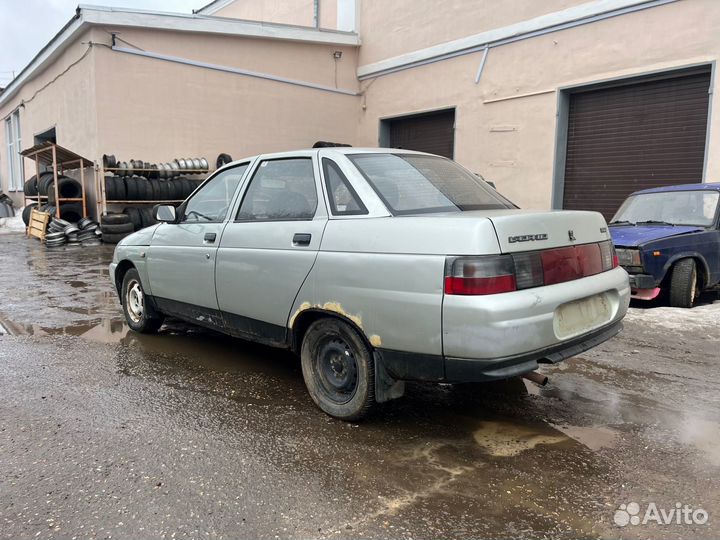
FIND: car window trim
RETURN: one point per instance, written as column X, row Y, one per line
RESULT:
column 255, row 170
column 184, row 204
column 362, row 211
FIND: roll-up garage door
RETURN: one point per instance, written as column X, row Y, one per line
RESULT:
column 432, row 132
column 632, row 137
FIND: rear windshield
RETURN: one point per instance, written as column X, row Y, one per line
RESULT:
column 415, row 183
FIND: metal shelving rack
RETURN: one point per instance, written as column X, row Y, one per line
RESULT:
column 103, row 201
column 51, row 154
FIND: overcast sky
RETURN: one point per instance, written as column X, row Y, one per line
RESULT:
column 27, row 25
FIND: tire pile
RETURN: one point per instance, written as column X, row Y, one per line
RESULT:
column 164, row 171
column 71, row 212
column 68, row 188
column 115, row 227
column 83, row 233
column 140, row 188
column 140, row 181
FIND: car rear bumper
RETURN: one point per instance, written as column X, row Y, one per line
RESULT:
column 469, row 370
column 432, row 368
column 509, row 325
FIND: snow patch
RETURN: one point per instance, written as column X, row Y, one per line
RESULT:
column 706, row 317
column 12, row 224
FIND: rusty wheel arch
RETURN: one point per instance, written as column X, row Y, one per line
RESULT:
column 308, row 316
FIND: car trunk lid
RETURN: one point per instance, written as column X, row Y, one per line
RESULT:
column 531, row 230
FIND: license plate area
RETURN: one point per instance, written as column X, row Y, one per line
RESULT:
column 580, row 316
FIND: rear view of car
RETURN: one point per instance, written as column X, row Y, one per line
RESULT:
column 377, row 267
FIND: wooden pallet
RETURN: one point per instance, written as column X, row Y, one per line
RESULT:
column 38, row 224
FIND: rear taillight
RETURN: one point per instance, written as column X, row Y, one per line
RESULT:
column 479, row 275
column 528, row 269
column 505, row 273
column 608, row 256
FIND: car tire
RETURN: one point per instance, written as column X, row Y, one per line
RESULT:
column 120, row 192
column 26, row 213
column 72, row 212
column 144, row 189
column 31, row 188
column 108, row 238
column 110, row 188
column 684, row 284
column 68, row 188
column 147, row 218
column 137, row 309
column 164, row 191
column 131, row 189
column 133, row 214
column 339, row 369
column 223, row 159
column 44, row 182
column 120, row 228
column 114, row 219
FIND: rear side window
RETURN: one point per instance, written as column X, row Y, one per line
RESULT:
column 341, row 195
column 282, row 189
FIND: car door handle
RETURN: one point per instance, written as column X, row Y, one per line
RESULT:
column 302, row 239
column 210, row 237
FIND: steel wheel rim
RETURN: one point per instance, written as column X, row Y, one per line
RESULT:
column 336, row 370
column 135, row 301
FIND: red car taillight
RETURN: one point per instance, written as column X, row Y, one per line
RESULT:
column 505, row 273
column 479, row 275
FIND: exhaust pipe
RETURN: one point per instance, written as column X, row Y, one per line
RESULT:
column 535, row 377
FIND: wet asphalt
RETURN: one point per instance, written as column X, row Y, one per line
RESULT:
column 189, row 434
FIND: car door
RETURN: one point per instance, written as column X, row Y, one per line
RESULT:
column 270, row 246
column 181, row 256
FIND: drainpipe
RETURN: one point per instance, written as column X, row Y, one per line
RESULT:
column 316, row 13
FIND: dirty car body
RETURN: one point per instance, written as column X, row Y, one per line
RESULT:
column 424, row 271
column 669, row 239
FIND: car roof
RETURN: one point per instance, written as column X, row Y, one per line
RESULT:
column 310, row 151
column 705, row 186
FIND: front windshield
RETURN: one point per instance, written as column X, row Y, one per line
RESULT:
column 672, row 207
column 416, row 183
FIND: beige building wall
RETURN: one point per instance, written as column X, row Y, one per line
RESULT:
column 157, row 110
column 68, row 104
column 296, row 12
column 506, row 124
column 392, row 28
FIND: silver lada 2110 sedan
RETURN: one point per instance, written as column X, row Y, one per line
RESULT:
column 376, row 266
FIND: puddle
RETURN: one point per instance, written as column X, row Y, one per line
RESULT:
column 504, row 439
column 594, row 437
column 98, row 330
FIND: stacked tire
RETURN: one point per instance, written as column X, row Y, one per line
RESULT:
column 115, row 227
column 139, row 188
column 83, row 233
column 140, row 217
column 68, row 188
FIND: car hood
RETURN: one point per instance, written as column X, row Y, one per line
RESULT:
column 633, row 236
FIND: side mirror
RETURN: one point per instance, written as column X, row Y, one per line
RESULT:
column 164, row 213
column 492, row 184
